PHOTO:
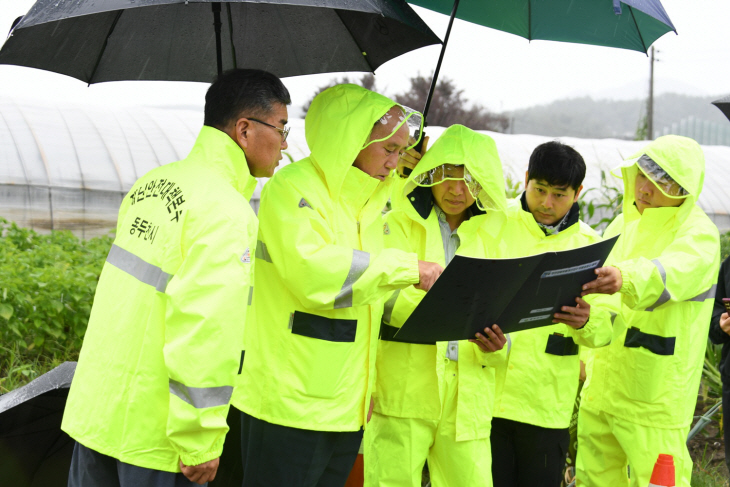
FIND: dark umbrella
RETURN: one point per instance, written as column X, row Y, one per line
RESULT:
column 193, row 40
column 724, row 105
column 627, row 24
column 34, row 452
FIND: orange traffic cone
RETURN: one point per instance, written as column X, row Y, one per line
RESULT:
column 663, row 473
column 357, row 474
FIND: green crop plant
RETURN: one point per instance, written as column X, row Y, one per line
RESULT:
column 47, row 285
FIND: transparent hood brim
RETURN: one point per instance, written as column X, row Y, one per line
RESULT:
column 627, row 164
column 412, row 117
column 661, row 178
column 431, row 178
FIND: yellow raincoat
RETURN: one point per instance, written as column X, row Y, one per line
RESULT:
column 415, row 382
column 538, row 383
column 643, row 387
column 162, row 348
column 322, row 276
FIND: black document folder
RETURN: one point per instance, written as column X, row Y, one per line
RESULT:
column 516, row 294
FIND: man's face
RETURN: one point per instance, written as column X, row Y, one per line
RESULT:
column 452, row 195
column 263, row 144
column 379, row 158
column 549, row 204
column 647, row 195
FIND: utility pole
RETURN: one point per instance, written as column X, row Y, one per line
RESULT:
column 650, row 104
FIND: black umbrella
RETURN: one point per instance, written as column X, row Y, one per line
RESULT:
column 724, row 105
column 193, row 40
column 34, row 452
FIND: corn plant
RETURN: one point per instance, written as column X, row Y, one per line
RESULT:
column 604, row 202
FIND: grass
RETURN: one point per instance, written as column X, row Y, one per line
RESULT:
column 704, row 474
column 22, row 370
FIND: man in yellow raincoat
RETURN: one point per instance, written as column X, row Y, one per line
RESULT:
column 433, row 402
column 537, row 385
column 160, row 356
column 661, row 277
column 321, row 282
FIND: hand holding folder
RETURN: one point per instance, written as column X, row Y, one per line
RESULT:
column 517, row 294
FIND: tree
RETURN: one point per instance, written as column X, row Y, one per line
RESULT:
column 367, row 82
column 448, row 106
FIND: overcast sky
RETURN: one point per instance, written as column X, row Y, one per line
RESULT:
column 499, row 70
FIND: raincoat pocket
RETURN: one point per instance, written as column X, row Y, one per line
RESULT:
column 653, row 369
column 656, row 344
column 323, row 328
column 326, row 344
column 558, row 344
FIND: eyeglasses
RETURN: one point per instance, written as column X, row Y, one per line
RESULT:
column 284, row 132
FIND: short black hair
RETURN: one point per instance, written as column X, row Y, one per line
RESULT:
column 557, row 164
column 242, row 92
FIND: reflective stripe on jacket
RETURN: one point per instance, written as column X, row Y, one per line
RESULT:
column 322, row 276
column 410, row 380
column 162, row 348
column 669, row 260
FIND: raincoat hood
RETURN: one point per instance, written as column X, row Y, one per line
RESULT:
column 681, row 157
column 460, row 145
column 337, row 126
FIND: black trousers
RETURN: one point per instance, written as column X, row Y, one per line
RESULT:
column 725, row 426
column 525, row 455
column 89, row 468
column 280, row 456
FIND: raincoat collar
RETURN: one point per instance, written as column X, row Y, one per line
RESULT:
column 569, row 219
column 358, row 187
column 441, row 215
column 463, row 146
column 217, row 150
column 337, row 126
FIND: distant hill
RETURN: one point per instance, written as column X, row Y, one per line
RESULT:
column 588, row 118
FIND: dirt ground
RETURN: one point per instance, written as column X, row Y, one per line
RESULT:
column 707, row 448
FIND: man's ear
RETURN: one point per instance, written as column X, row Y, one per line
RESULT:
column 242, row 132
column 577, row 193
column 527, row 178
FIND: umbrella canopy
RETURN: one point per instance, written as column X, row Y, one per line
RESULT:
column 724, row 105
column 35, row 452
column 626, row 24
column 33, row 449
column 193, row 40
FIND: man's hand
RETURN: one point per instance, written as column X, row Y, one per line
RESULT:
column 609, row 281
column 492, row 342
column 410, row 158
column 725, row 323
column 200, row 474
column 428, row 272
column 574, row 316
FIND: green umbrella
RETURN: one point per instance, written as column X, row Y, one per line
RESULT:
column 627, row 24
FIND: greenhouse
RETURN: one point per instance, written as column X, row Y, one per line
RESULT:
column 69, row 166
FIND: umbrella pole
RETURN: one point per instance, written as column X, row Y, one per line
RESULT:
column 434, row 79
column 217, row 24
column 438, row 64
